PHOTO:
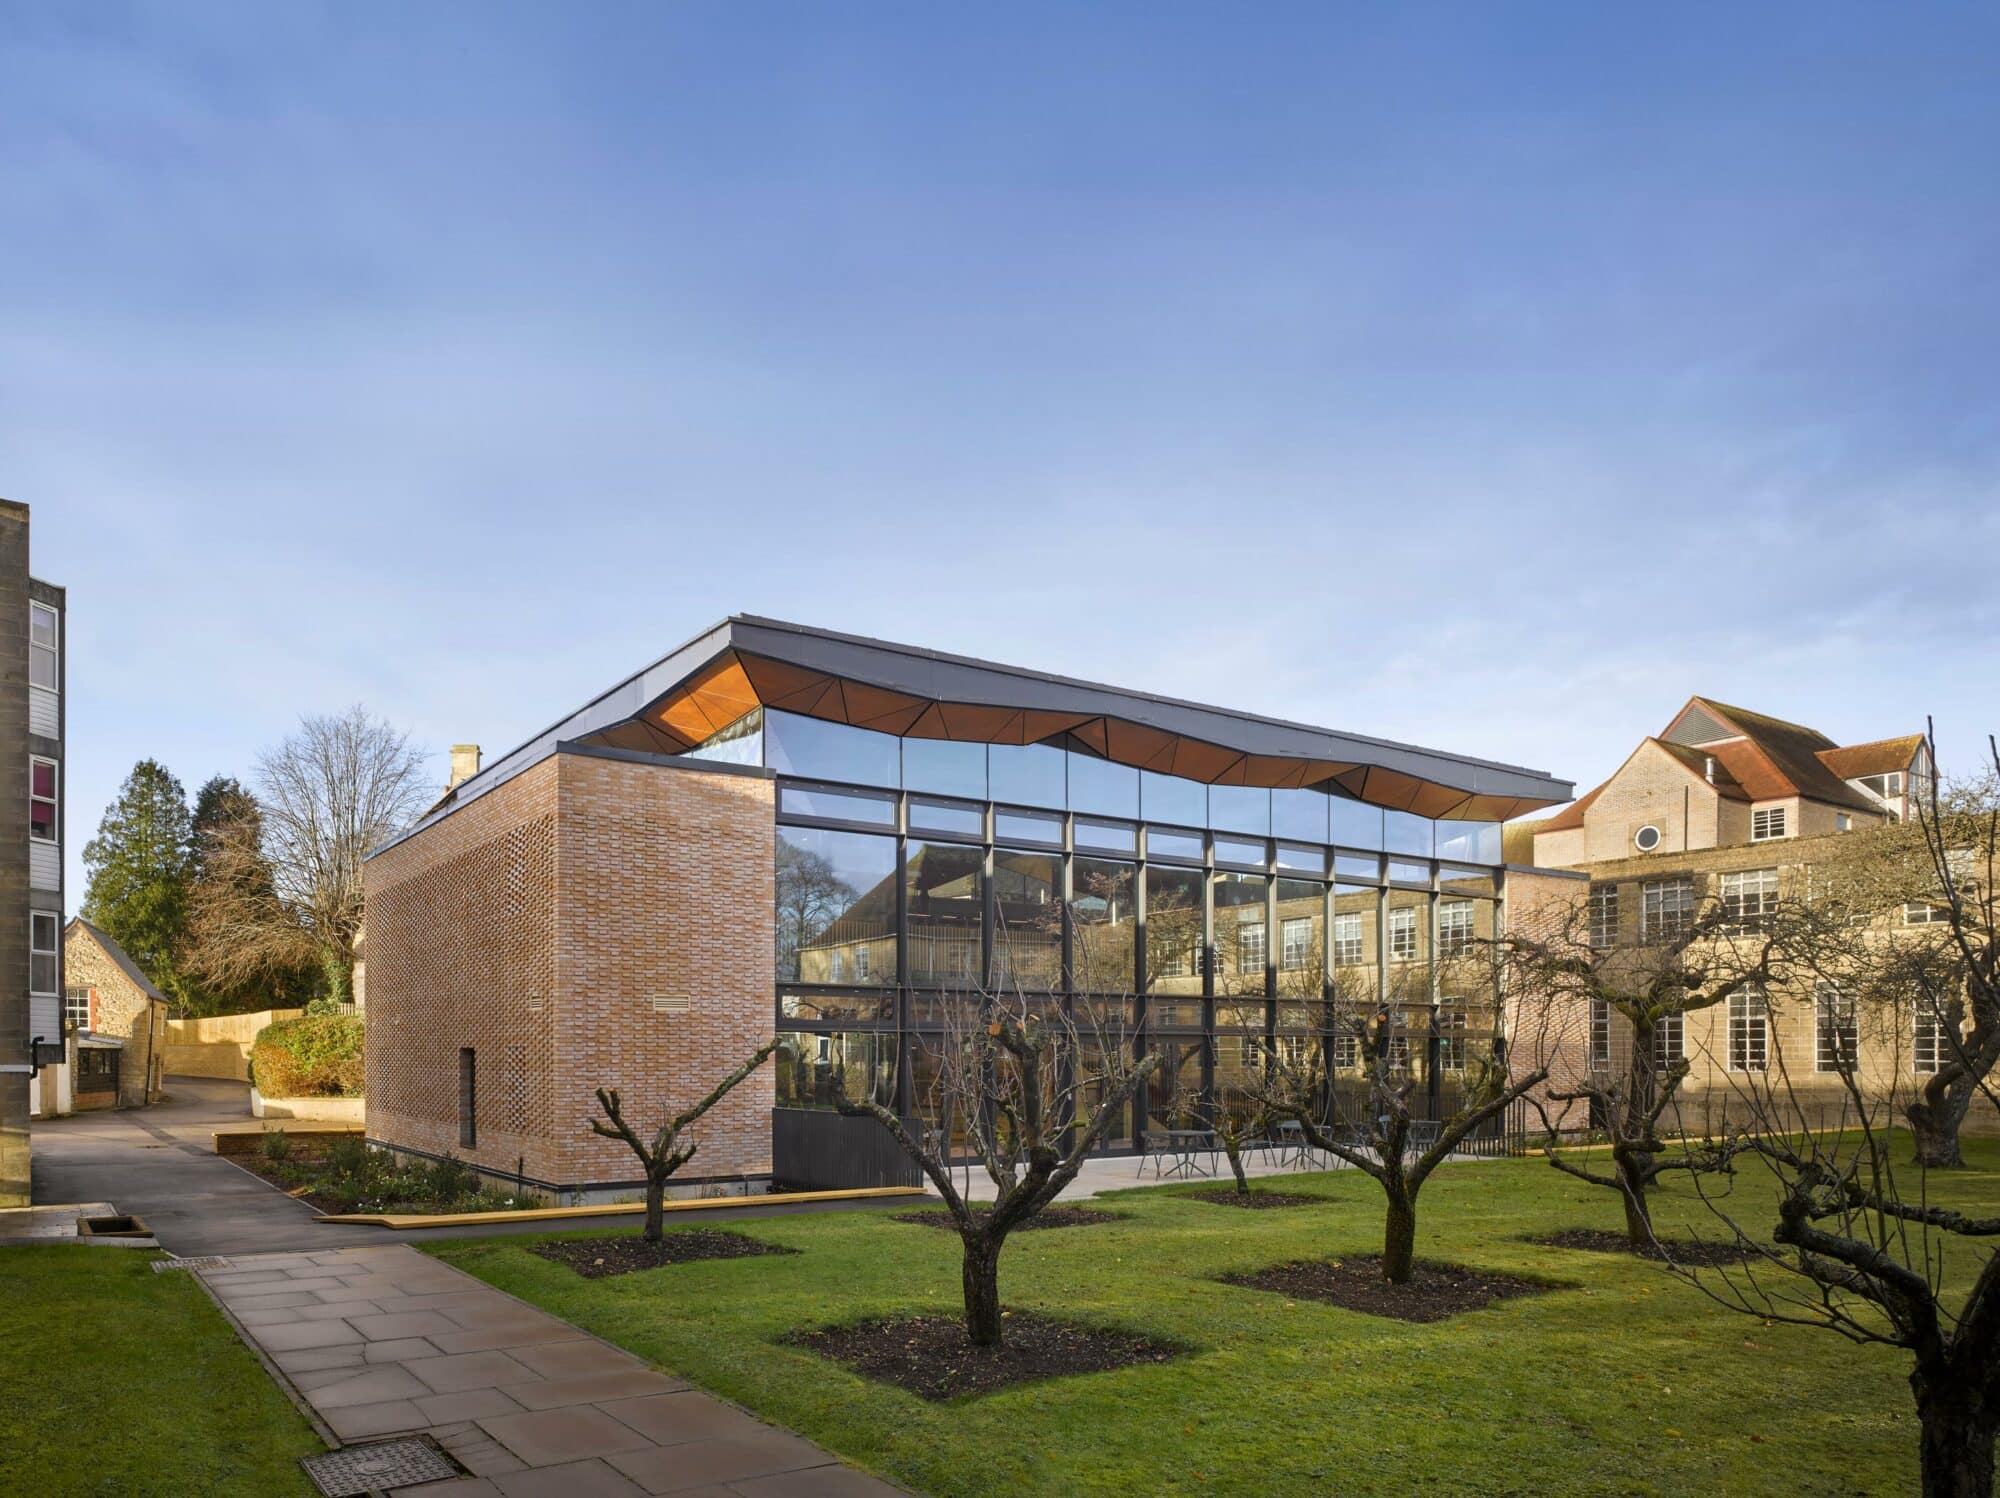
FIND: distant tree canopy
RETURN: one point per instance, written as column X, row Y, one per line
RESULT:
column 140, row 867
column 231, row 876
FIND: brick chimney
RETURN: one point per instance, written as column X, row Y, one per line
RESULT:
column 464, row 764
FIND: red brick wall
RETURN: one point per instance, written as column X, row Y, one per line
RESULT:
column 539, row 924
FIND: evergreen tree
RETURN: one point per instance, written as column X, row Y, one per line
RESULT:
column 140, row 866
column 231, row 876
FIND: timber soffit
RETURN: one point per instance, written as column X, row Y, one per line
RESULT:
column 747, row 661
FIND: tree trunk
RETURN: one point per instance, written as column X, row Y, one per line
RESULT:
column 1632, row 1169
column 1233, row 1147
column 1934, row 1126
column 1956, row 1442
column 1399, row 1241
column 982, row 1292
column 656, row 1194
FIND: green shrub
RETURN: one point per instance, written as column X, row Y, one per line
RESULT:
column 277, row 1146
column 314, row 1055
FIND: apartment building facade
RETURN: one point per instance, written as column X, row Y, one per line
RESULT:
column 785, row 832
column 1731, row 807
column 33, row 634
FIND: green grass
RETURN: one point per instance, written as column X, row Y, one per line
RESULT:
column 116, row 1380
column 1629, row 1382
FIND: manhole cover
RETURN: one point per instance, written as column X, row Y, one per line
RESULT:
column 161, row 1266
column 355, row 1470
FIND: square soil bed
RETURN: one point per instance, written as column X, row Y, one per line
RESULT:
column 930, row 1356
column 1686, row 1255
column 1434, row 1292
column 599, row 1258
column 1253, row 1200
column 1048, row 1217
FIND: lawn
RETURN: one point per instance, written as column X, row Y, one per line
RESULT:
column 116, row 1380
column 1626, row 1382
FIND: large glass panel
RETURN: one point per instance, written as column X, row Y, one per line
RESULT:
column 1103, row 919
column 1299, row 814
column 1030, row 774
column 1163, row 842
column 1242, row 936
column 1239, row 850
column 1365, row 870
column 1173, row 1093
column 837, row 806
column 1307, row 860
column 1356, row 937
column 1240, row 1050
column 1469, row 842
column 1027, row 935
column 1092, row 1083
column 945, row 768
column 946, row 913
column 836, row 899
column 1407, row 833
column 741, row 743
column 1409, row 945
column 830, row 751
column 1477, row 882
column 931, row 1093
column 952, row 818
column 1026, row 827
column 1173, row 931
column 1301, row 948
column 1240, row 808
column 814, row 1069
column 1409, row 873
column 1106, row 837
column 1168, row 798
column 838, row 1008
column 1356, row 824
column 1102, row 787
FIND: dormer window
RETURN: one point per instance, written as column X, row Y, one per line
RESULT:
column 1766, row 823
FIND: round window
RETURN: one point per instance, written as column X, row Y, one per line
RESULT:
column 1647, row 838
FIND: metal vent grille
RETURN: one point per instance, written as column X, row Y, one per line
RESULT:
column 672, row 1003
column 1698, row 726
column 354, row 1471
column 161, row 1266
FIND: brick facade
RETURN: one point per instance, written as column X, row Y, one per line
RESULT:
column 120, row 1009
column 553, row 927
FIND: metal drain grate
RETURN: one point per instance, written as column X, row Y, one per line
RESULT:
column 161, row 1266
column 355, row 1470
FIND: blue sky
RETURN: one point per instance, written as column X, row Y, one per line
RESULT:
column 1485, row 376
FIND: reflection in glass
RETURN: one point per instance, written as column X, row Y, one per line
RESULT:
column 741, row 743
column 813, row 1069
column 945, row 768
column 946, row 913
column 949, row 817
column 1029, row 774
column 836, row 906
column 1168, row 798
column 1240, row 808
column 1409, row 926
column 1160, row 843
column 1026, row 827
column 1356, row 928
column 1365, row 870
column 1476, row 882
column 838, row 1008
column 1102, row 923
column 1407, row 833
column 830, row 751
column 1301, row 937
column 1106, row 837
column 836, row 806
column 1469, row 842
column 1239, row 850
column 1356, row 824
column 1305, row 860
column 1242, row 939
column 1102, row 787
column 1173, row 931
column 1173, row 1093
column 1090, row 1081
column 1299, row 814
column 1409, row 873
column 1027, row 935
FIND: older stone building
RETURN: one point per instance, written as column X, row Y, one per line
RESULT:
column 786, row 831
column 117, row 1018
column 1732, row 806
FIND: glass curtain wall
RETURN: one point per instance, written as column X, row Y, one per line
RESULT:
column 1251, row 925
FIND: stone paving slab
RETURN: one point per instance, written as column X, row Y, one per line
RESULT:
column 386, row 1341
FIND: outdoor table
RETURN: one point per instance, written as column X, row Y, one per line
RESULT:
column 1187, row 1146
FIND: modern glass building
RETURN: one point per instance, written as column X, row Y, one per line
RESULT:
column 1224, row 884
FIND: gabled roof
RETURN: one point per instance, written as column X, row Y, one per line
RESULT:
column 1694, row 761
column 1879, row 758
column 747, row 662
column 120, row 957
column 1768, row 757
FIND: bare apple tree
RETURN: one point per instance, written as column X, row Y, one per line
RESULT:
column 1024, row 1087
column 671, row 1147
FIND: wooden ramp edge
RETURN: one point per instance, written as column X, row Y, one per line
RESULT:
column 404, row 1220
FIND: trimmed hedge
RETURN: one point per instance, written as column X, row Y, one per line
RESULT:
column 314, row 1055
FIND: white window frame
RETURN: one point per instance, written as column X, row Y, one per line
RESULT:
column 1748, row 896
column 836, row 966
column 72, row 997
column 860, row 964
column 1924, row 913
column 1246, row 944
column 1294, row 942
column 1403, row 945
column 1749, row 1030
column 1929, row 1039
column 1767, row 823
column 1658, row 915
column 1836, row 1028
column 1346, row 1052
column 1450, row 1019
column 1604, row 915
column 1455, row 921
column 53, row 951
column 1348, row 943
column 1669, row 1040
column 1600, row 1032
column 52, row 650
column 54, row 800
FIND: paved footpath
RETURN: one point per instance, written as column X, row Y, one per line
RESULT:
column 387, row 1341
